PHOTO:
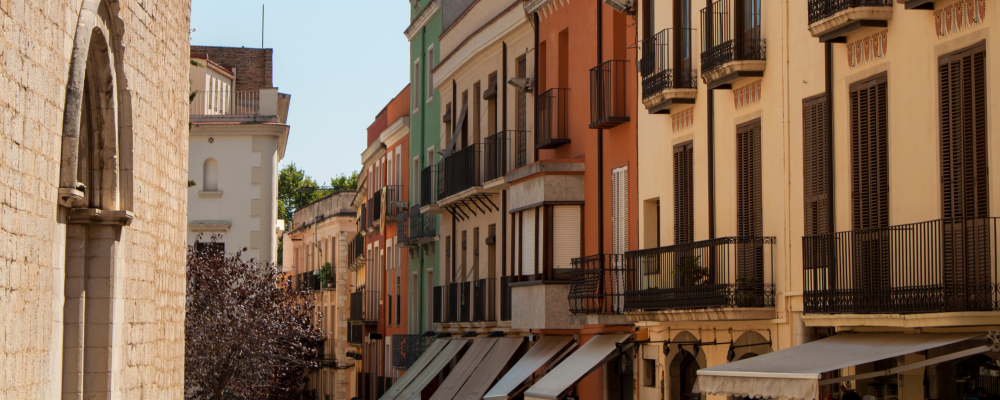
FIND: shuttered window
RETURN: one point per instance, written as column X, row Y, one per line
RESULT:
column 816, row 157
column 684, row 193
column 870, row 180
column 749, row 207
column 619, row 210
column 528, row 242
column 516, row 247
column 565, row 236
column 542, row 239
column 964, row 176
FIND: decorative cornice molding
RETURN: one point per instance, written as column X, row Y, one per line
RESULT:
column 93, row 216
column 421, row 20
column 209, row 226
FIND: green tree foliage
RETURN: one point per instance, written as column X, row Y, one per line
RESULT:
column 297, row 190
column 346, row 182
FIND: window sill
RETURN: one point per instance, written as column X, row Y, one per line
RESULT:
column 430, row 100
column 210, row 195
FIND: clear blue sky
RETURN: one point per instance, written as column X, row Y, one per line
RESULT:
column 341, row 61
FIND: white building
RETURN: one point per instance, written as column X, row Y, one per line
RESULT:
column 238, row 136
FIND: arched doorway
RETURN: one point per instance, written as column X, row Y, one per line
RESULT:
column 685, row 368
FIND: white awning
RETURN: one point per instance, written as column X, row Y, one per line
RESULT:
column 487, row 372
column 445, row 357
column 587, row 358
column 415, row 369
column 541, row 353
column 464, row 369
column 796, row 373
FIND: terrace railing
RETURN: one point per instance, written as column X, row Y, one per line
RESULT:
column 484, row 300
column 505, row 299
column 503, row 152
column 823, row 9
column 229, row 103
column 664, row 67
column 598, row 284
column 460, row 171
column 729, row 36
column 551, row 119
column 608, row 94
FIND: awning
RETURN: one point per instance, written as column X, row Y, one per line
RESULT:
column 415, row 369
column 540, row 354
column 464, row 369
column 412, row 391
column 487, row 372
column 587, row 358
column 796, row 373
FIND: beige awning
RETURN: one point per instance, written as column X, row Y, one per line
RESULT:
column 487, row 372
column 583, row 361
column 445, row 357
column 415, row 369
column 540, row 354
column 796, row 373
column 464, row 369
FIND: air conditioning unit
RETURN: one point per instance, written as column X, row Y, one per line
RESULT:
column 619, row 5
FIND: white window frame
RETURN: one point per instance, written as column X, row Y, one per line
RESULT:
column 430, row 75
column 417, row 76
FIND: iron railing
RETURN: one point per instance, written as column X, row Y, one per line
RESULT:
column 428, row 189
column 484, row 293
column 608, row 94
column 505, row 299
column 724, row 42
column 375, row 210
column 725, row 272
column 503, row 152
column 355, row 333
column 438, row 306
column 598, row 284
column 421, row 226
column 371, row 307
column 393, row 196
column 664, row 68
column 365, row 219
column 357, row 305
column 227, row 103
column 454, row 300
column 403, row 225
column 460, row 171
column 551, row 119
column 406, row 349
column 935, row 266
column 465, row 307
column 823, row 9
column 356, row 249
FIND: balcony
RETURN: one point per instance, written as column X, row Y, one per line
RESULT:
column 439, row 306
column 406, row 349
column 598, row 285
column 403, row 227
column 719, row 279
column 551, row 113
column 375, row 209
column 356, row 252
column 832, row 20
column 371, row 304
column 355, row 333
column 503, row 152
column 929, row 267
column 236, row 105
column 365, row 219
column 732, row 47
column 420, row 228
column 484, row 293
column 459, row 301
column 608, row 94
column 393, row 197
column 918, row 4
column 460, row 171
column 357, row 305
column 505, row 300
column 668, row 80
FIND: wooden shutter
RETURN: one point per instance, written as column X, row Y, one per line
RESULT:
column 619, row 210
column 965, row 179
column 870, row 184
column 566, row 236
column 749, row 207
column 528, row 241
column 541, row 238
column 816, row 155
column 684, row 193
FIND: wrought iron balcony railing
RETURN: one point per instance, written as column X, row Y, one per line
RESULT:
column 375, row 211
column 598, row 284
column 438, row 306
column 823, row 9
column 664, row 67
column 420, row 226
column 460, row 171
column 551, row 119
column 355, row 333
column 407, row 348
column 725, row 272
column 726, row 39
column 365, row 218
column 393, row 198
column 371, row 306
column 503, row 152
column 403, row 225
column 357, row 305
column 505, row 300
column 428, row 187
column 935, row 266
column 356, row 249
column 484, row 300
column 608, row 94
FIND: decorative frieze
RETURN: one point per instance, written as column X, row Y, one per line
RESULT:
column 747, row 96
column 957, row 17
column 682, row 120
column 868, row 49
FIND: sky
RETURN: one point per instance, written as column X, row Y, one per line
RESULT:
column 342, row 61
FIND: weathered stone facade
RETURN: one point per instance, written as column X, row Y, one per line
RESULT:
column 92, row 291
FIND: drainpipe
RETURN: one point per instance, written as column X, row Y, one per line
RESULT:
column 828, row 65
column 600, row 139
column 503, row 123
column 535, row 81
column 711, row 134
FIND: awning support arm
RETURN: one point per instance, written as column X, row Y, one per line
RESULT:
column 921, row 364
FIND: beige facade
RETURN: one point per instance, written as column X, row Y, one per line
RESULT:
column 320, row 236
column 777, row 90
column 93, row 149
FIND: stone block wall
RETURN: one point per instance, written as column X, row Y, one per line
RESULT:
column 147, row 346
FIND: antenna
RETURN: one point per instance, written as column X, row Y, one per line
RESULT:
column 262, row 26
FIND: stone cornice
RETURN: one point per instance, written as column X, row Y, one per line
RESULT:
column 94, row 216
column 421, row 20
column 536, row 5
column 396, row 131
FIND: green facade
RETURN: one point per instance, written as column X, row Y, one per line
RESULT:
column 425, row 132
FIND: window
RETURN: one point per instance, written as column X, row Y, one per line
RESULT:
column 816, row 163
column 413, row 179
column 522, row 114
column 491, row 105
column 399, row 166
column 430, row 76
column 476, row 116
column 416, row 85
column 648, row 18
column 619, row 210
column 749, row 209
column 648, row 373
column 684, row 193
column 211, row 172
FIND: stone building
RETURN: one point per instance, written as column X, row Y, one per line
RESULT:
column 239, row 132
column 93, row 153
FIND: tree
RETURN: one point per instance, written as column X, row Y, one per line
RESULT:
column 346, row 182
column 293, row 192
column 249, row 334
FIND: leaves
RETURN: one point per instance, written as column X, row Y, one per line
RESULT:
column 248, row 332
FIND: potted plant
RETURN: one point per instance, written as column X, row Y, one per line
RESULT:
column 326, row 276
column 690, row 272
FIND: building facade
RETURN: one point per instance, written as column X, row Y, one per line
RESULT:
column 239, row 132
column 93, row 210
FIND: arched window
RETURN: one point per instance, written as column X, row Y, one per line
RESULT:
column 211, row 175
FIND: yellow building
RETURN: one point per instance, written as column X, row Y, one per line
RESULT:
column 812, row 171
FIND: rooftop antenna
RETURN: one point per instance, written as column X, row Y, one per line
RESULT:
column 262, row 26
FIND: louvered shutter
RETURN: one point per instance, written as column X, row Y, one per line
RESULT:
column 684, row 193
column 515, row 258
column 749, row 207
column 565, row 236
column 619, row 210
column 816, row 165
column 528, row 242
column 870, row 187
column 541, row 238
column 965, row 180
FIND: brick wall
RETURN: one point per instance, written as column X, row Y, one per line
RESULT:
column 253, row 66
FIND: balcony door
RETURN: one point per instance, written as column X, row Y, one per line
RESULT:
column 684, row 209
column 748, row 20
column 620, row 240
column 749, row 210
column 682, row 41
column 870, row 191
column 965, row 180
